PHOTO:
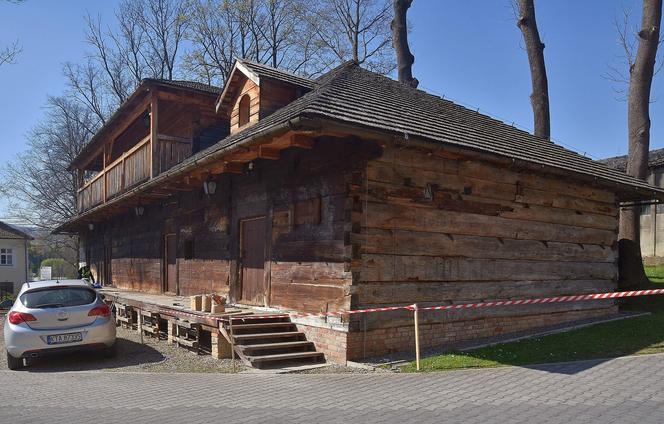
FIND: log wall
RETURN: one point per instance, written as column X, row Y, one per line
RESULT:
column 304, row 198
column 433, row 228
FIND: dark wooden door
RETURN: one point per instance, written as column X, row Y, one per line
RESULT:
column 170, row 261
column 252, row 251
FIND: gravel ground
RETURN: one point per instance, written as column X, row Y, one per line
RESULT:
column 152, row 356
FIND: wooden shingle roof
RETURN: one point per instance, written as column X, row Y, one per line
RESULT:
column 655, row 160
column 277, row 74
column 352, row 95
column 191, row 85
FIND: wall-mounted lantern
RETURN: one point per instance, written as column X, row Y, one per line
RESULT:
column 91, row 226
column 209, row 187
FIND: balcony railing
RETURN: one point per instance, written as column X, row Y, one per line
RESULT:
column 172, row 150
column 133, row 168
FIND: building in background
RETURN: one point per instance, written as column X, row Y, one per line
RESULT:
column 652, row 216
column 13, row 257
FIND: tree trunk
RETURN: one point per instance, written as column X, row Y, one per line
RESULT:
column 539, row 99
column 405, row 58
column 638, row 122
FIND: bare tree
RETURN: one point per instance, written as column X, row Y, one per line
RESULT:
column 266, row 31
column 87, row 87
column 539, row 98
column 218, row 35
column 111, row 61
column 356, row 30
column 405, row 58
column 165, row 23
column 8, row 54
column 641, row 74
column 40, row 189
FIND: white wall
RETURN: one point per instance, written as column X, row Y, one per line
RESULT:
column 17, row 272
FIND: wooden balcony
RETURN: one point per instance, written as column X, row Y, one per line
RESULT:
column 134, row 167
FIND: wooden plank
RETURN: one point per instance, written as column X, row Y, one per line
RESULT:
column 395, row 216
column 385, row 293
column 422, row 243
column 374, row 267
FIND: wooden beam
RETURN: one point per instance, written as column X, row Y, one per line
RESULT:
column 302, row 141
column 242, row 154
column 266, row 152
column 228, row 167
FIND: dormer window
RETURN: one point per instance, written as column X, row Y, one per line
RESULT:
column 245, row 103
column 254, row 91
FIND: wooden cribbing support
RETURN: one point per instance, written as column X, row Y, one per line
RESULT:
column 140, row 323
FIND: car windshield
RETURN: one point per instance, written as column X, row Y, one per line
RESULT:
column 58, row 297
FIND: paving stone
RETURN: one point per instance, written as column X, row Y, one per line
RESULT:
column 624, row 390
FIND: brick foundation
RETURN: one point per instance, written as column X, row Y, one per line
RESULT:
column 400, row 339
column 328, row 340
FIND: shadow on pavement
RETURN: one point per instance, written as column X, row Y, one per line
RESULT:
column 129, row 354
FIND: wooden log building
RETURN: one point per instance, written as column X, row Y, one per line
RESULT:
column 346, row 192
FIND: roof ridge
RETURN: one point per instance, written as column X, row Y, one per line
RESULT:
column 280, row 70
column 183, row 83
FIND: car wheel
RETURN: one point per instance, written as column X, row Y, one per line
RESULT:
column 14, row 363
column 111, row 352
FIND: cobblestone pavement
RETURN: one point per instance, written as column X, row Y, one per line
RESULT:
column 627, row 390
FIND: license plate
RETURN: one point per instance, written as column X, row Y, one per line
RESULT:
column 64, row 338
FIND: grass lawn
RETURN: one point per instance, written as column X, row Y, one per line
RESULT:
column 640, row 335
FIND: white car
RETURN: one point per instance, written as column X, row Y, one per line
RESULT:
column 52, row 317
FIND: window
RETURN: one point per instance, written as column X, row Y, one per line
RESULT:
column 244, row 110
column 58, row 297
column 6, row 257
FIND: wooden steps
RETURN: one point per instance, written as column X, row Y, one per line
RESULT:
column 284, row 357
column 270, row 341
column 250, row 337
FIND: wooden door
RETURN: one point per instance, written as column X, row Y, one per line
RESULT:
column 170, row 261
column 252, row 256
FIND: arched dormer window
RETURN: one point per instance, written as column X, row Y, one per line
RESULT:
column 244, row 110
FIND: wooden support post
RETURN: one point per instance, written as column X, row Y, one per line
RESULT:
column 230, row 329
column 103, row 159
column 155, row 163
column 417, row 336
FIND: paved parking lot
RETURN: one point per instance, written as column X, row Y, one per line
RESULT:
column 629, row 390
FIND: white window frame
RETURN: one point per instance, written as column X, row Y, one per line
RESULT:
column 6, row 256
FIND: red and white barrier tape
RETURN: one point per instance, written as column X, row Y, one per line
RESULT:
column 575, row 298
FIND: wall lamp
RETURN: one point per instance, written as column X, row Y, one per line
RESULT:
column 210, row 187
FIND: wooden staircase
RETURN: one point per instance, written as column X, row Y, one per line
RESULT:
column 269, row 342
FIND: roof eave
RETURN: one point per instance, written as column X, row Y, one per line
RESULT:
column 626, row 191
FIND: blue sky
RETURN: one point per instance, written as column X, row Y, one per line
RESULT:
column 468, row 50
